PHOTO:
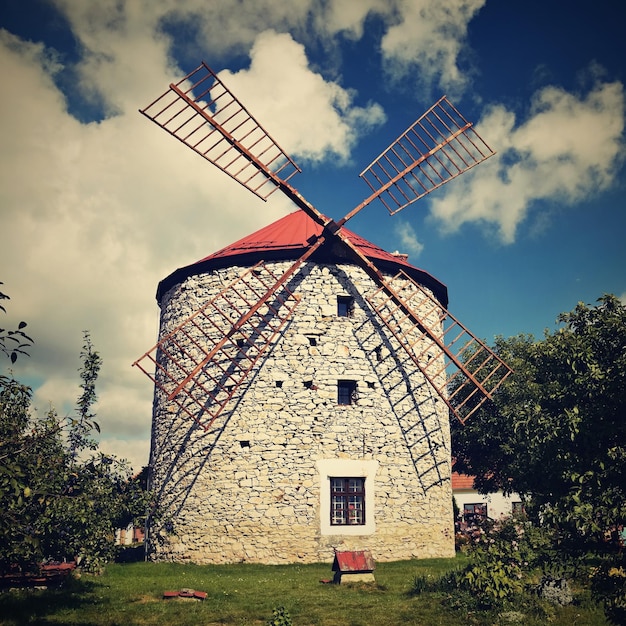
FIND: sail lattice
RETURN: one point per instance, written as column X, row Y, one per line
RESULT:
column 464, row 371
column 200, row 364
column 438, row 147
column 204, row 114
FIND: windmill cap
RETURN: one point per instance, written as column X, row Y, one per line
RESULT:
column 287, row 239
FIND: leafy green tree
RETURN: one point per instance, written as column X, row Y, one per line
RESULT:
column 59, row 497
column 13, row 342
column 556, row 432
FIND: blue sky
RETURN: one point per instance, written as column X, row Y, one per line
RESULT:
column 98, row 204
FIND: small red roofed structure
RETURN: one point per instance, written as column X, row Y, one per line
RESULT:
column 355, row 566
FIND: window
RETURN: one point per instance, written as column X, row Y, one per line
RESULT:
column 517, row 508
column 473, row 513
column 328, row 469
column 345, row 306
column 346, row 392
column 347, row 501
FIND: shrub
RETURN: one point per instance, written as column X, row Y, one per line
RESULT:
column 503, row 558
column 280, row 617
column 609, row 585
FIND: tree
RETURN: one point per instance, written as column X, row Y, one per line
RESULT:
column 13, row 342
column 556, row 432
column 59, row 497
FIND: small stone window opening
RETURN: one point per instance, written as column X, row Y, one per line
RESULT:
column 345, row 306
column 347, row 501
column 370, row 385
column 312, row 341
column 244, row 443
column 279, row 383
column 309, row 384
column 346, row 392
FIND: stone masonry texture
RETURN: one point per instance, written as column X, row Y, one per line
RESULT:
column 249, row 488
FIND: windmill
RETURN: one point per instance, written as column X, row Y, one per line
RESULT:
column 201, row 112
column 202, row 364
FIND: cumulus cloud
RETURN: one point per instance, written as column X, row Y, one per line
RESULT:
column 429, row 37
column 422, row 39
column 315, row 119
column 567, row 149
column 348, row 17
column 407, row 236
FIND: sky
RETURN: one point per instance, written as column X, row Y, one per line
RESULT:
column 98, row 204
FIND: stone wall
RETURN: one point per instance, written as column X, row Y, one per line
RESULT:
column 255, row 485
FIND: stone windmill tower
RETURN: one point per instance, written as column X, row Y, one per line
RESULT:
column 303, row 376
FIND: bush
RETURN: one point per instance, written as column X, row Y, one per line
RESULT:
column 280, row 617
column 504, row 558
column 609, row 585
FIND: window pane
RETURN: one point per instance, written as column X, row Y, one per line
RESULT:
column 337, row 485
column 345, row 305
column 355, row 485
column 346, row 390
column 347, row 501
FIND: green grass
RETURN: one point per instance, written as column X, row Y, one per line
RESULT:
column 131, row 594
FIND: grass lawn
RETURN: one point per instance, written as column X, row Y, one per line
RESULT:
column 131, row 594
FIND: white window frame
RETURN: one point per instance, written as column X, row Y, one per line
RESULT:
column 338, row 468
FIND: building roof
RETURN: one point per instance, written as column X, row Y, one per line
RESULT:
column 287, row 239
column 462, row 482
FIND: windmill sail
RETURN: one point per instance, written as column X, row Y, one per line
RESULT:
column 200, row 111
column 438, row 147
column 201, row 363
column 469, row 372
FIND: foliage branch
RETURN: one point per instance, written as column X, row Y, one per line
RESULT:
column 60, row 498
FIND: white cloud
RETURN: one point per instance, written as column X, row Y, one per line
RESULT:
column 421, row 38
column 429, row 36
column 348, row 17
column 135, row 451
column 313, row 119
column 409, row 242
column 567, row 150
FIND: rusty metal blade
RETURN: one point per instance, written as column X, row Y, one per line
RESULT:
column 436, row 148
column 201, row 112
column 464, row 371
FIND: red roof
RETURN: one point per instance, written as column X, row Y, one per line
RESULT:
column 462, row 481
column 293, row 232
column 288, row 238
column 353, row 561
